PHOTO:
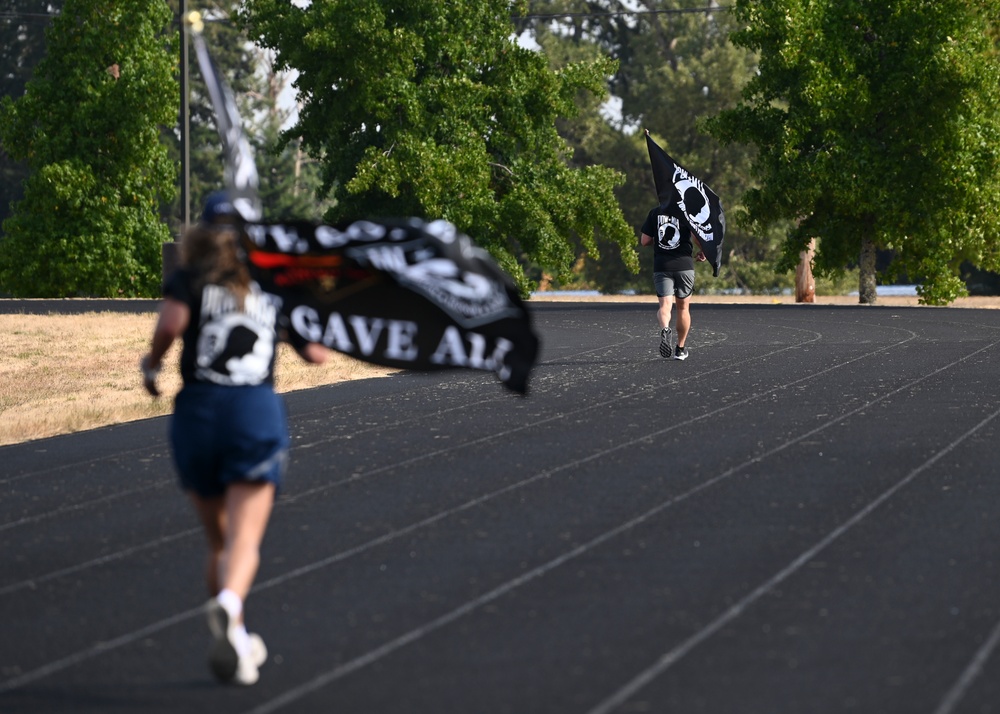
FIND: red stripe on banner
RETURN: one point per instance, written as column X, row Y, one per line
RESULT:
column 277, row 260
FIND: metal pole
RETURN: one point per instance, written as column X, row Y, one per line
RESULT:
column 170, row 251
column 185, row 125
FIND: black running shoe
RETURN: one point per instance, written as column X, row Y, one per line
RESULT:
column 681, row 353
column 223, row 659
column 665, row 349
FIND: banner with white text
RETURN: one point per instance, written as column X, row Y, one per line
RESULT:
column 399, row 293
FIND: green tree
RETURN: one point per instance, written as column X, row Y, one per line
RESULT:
column 88, row 128
column 289, row 179
column 878, row 127
column 429, row 108
column 595, row 140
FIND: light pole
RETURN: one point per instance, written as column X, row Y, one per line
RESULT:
column 170, row 252
column 185, row 125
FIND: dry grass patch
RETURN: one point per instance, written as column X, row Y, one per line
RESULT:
column 66, row 373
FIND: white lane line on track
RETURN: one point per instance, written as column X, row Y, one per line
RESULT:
column 99, row 648
column 316, row 414
column 632, row 338
column 313, row 415
column 590, row 407
column 667, row 660
column 117, row 455
column 306, row 688
column 970, row 674
column 80, row 505
column 34, row 582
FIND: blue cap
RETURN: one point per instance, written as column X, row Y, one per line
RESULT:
column 218, row 205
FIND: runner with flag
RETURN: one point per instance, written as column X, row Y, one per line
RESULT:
column 699, row 204
column 404, row 293
column 688, row 214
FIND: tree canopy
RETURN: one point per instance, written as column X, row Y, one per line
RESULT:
column 431, row 109
column 88, row 128
column 873, row 126
column 877, row 126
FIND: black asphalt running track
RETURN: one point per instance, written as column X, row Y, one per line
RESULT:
column 802, row 517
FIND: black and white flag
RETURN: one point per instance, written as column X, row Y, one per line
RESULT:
column 399, row 293
column 700, row 205
column 403, row 294
column 242, row 181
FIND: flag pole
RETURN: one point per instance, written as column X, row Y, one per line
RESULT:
column 170, row 250
column 185, row 128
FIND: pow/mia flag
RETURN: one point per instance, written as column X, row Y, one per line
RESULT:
column 402, row 293
column 698, row 203
column 242, row 180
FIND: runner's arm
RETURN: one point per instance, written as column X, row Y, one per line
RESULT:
column 173, row 320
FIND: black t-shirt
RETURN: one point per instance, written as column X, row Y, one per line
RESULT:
column 671, row 232
column 222, row 343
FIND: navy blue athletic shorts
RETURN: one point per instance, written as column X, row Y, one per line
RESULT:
column 221, row 435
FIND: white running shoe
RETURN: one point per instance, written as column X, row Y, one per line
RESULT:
column 258, row 650
column 247, row 671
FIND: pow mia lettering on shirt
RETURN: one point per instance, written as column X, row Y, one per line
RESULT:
column 668, row 232
column 235, row 347
column 225, row 344
column 672, row 247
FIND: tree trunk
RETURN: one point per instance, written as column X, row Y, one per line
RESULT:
column 866, row 273
column 805, row 286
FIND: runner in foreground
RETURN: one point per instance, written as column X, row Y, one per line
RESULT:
column 229, row 431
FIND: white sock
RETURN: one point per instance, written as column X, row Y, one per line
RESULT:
column 231, row 603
